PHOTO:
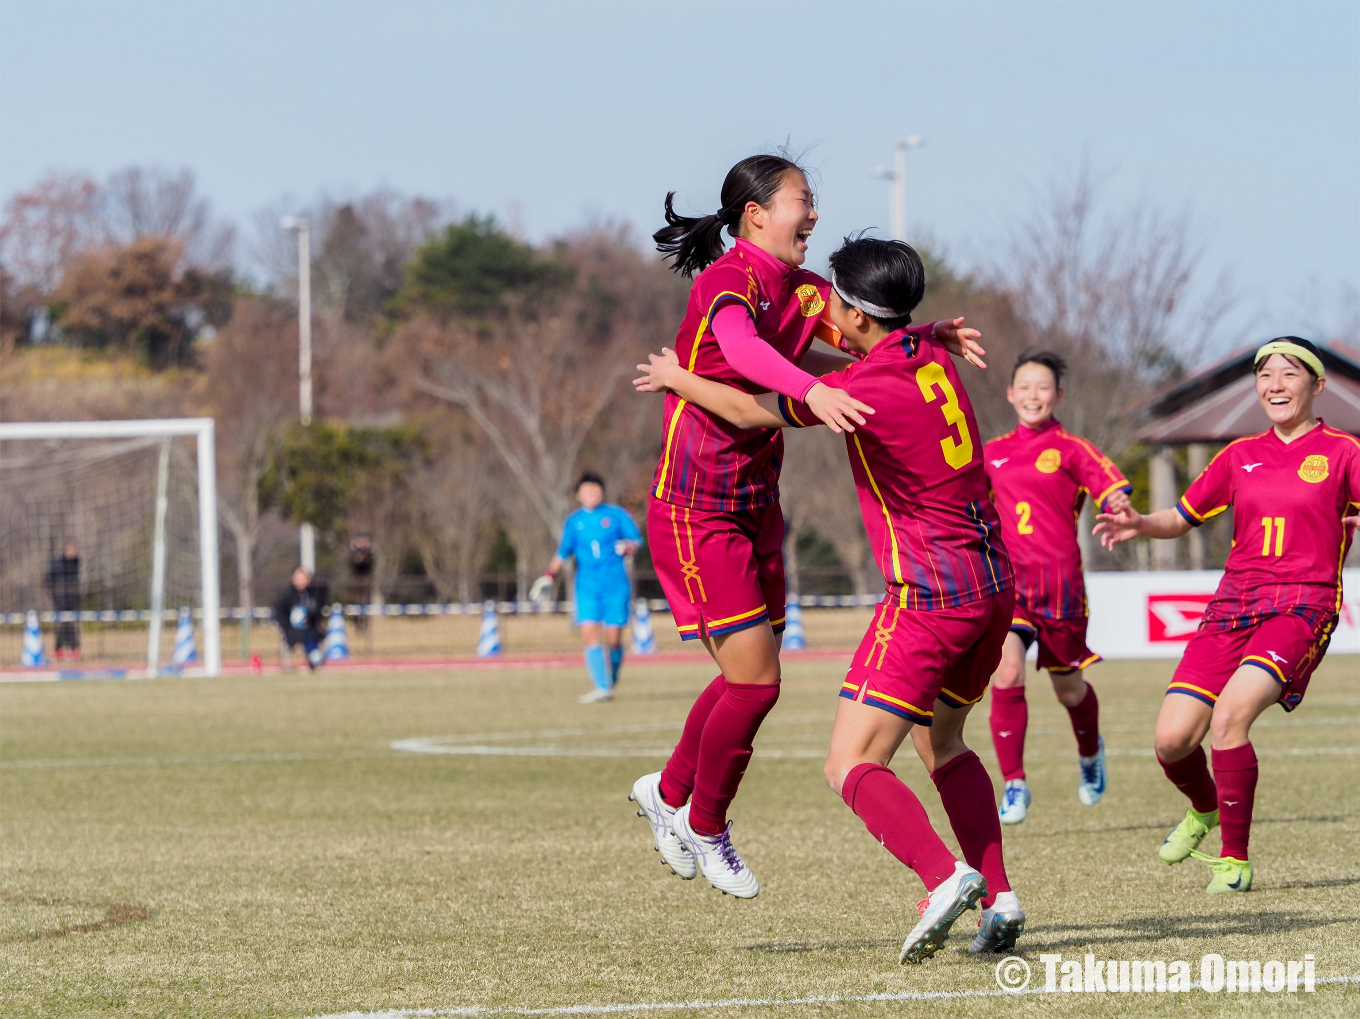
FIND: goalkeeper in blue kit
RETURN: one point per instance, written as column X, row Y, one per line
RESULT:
column 599, row 536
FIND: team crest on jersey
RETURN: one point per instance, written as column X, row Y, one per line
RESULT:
column 809, row 300
column 1313, row 468
column 1049, row 461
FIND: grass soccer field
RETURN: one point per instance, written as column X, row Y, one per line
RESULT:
column 460, row 842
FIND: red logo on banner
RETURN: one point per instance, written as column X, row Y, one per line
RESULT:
column 1173, row 618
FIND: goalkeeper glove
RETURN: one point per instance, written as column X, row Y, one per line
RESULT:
column 542, row 588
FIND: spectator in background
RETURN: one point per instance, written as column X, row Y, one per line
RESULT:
column 360, row 589
column 298, row 613
column 63, row 581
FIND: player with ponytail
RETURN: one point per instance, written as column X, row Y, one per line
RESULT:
column 714, row 523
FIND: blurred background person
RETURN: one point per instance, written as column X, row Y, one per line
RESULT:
column 298, row 613
column 359, row 590
column 599, row 536
column 63, row 582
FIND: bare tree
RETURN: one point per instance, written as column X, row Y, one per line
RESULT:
column 540, row 380
column 456, row 500
column 138, row 202
column 1117, row 294
column 44, row 226
column 250, row 387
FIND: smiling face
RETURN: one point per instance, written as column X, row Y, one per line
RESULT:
column 1034, row 393
column 1286, row 390
column 783, row 228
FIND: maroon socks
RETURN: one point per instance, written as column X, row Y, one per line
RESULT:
column 1086, row 723
column 895, row 817
column 969, row 800
column 1191, row 776
column 725, row 750
column 677, row 778
column 1010, row 718
column 1235, row 771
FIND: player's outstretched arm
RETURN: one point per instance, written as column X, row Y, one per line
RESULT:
column 742, row 409
column 1123, row 523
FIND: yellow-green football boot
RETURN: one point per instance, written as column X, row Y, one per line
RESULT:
column 1230, row 873
column 1186, row 836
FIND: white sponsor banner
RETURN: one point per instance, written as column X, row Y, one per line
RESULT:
column 1153, row 615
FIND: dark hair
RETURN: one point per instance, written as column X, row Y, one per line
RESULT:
column 695, row 243
column 889, row 274
column 1053, row 362
column 1296, row 362
column 590, row 478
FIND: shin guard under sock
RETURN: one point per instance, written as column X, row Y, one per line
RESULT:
column 895, row 817
column 725, row 750
column 1191, row 776
column 1235, row 772
column 1085, row 719
column 970, row 801
column 1009, row 720
column 677, row 778
column 615, row 663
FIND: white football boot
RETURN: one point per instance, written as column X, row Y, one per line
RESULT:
column 1093, row 776
column 1015, row 801
column 960, row 891
column 1001, row 923
column 596, row 696
column 660, row 815
column 717, row 858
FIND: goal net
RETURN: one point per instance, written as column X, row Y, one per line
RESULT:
column 108, row 534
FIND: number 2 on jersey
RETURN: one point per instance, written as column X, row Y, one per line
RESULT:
column 1023, row 510
column 956, row 454
column 1279, row 535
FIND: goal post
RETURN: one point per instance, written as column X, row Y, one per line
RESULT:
column 164, row 430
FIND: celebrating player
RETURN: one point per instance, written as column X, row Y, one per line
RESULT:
column 714, row 520
column 1040, row 475
column 599, row 536
column 1293, row 491
column 937, row 635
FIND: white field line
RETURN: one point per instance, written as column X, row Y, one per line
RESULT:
column 681, row 1006
column 468, row 746
column 436, row 745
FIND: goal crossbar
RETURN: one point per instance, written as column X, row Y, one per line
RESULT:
column 201, row 429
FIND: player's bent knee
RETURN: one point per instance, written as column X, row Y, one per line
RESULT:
column 1009, row 675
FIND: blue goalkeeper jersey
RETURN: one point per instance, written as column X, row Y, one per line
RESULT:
column 589, row 536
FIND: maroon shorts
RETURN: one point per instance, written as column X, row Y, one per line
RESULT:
column 1062, row 642
column 721, row 571
column 910, row 658
column 1287, row 647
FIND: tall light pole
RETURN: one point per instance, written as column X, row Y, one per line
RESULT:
column 308, row 532
column 898, row 176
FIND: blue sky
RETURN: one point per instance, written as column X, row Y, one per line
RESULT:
column 551, row 115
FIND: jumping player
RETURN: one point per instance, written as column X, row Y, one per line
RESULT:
column 599, row 536
column 1040, row 474
column 937, row 635
column 1294, row 492
column 715, row 527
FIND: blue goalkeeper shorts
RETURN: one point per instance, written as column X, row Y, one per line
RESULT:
column 608, row 604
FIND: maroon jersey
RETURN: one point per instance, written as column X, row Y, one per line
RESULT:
column 1288, row 541
column 1039, row 479
column 918, row 473
column 707, row 463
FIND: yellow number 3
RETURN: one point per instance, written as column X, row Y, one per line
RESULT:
column 956, row 454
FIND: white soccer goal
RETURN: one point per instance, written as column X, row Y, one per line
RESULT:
column 136, row 502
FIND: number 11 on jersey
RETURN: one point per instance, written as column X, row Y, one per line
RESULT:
column 1278, row 527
